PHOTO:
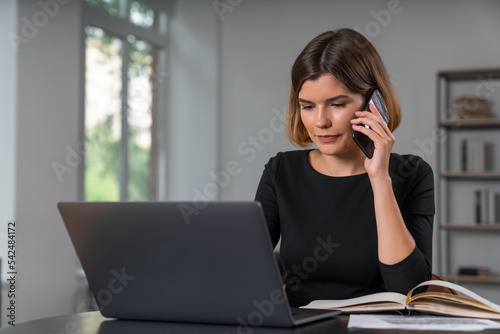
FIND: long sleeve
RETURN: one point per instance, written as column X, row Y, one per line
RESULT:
column 413, row 184
column 266, row 195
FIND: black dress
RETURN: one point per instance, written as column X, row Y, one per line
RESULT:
column 328, row 229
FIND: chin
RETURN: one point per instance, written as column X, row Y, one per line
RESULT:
column 328, row 151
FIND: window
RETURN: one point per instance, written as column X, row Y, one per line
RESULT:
column 124, row 75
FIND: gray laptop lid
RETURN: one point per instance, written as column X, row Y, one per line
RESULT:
column 180, row 261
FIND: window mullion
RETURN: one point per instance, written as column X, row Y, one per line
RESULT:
column 123, row 5
column 124, row 124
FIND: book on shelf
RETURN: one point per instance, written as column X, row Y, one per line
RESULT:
column 474, row 271
column 473, row 154
column 466, row 304
column 486, row 206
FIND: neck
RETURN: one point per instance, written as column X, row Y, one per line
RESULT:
column 334, row 165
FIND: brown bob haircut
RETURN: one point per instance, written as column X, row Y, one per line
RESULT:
column 349, row 57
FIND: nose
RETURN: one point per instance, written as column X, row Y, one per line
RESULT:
column 322, row 119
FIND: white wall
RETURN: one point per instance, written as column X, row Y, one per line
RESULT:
column 48, row 88
column 193, row 109
column 8, row 12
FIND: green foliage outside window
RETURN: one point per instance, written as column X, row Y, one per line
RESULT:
column 105, row 110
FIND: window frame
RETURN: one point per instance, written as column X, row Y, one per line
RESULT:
column 121, row 27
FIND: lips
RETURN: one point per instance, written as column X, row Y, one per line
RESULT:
column 327, row 138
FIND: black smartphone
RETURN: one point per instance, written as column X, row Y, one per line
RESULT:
column 364, row 142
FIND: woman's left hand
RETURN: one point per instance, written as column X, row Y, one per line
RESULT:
column 382, row 137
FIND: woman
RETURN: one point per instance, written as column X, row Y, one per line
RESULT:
column 349, row 225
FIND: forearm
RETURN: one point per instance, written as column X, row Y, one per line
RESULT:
column 395, row 242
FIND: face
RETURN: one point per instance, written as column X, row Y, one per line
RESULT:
column 327, row 107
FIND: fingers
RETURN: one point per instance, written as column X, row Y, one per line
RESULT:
column 372, row 119
column 373, row 113
column 378, row 129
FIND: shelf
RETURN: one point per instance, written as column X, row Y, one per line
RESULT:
column 469, row 123
column 473, row 175
column 472, row 227
column 453, row 151
column 473, row 278
column 469, row 74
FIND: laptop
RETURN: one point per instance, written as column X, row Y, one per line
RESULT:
column 192, row 262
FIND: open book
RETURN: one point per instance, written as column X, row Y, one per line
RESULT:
column 467, row 304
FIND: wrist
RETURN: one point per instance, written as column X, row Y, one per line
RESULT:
column 382, row 180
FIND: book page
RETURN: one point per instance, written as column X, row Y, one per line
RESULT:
column 449, row 301
column 432, row 305
column 392, row 297
column 476, row 299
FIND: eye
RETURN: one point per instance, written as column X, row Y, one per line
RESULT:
column 339, row 105
column 306, row 107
